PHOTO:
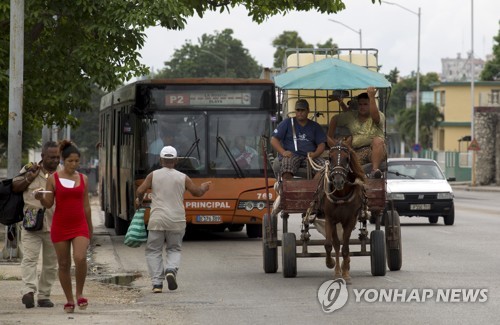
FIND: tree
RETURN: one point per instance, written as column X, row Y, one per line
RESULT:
column 288, row 39
column 86, row 133
column 393, row 76
column 72, row 45
column 429, row 118
column 292, row 40
column 401, row 118
column 491, row 70
column 401, row 88
column 218, row 55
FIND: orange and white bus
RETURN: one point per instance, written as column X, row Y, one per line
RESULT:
column 218, row 126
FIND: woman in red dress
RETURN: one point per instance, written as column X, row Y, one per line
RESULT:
column 72, row 222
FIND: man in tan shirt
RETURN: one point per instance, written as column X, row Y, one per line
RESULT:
column 34, row 177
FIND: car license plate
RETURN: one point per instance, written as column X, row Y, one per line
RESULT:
column 203, row 219
column 420, row 206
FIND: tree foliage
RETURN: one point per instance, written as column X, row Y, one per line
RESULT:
column 393, row 76
column 397, row 102
column 72, row 45
column 491, row 70
column 291, row 40
column 86, row 133
column 218, row 55
column 429, row 118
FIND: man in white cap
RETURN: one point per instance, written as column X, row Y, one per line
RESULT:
column 167, row 221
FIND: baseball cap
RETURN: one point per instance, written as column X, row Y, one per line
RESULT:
column 302, row 104
column 168, row 152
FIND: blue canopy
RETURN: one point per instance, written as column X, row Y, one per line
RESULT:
column 331, row 74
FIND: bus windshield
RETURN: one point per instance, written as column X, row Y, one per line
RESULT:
column 232, row 150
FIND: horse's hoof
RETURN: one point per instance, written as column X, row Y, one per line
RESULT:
column 330, row 265
column 348, row 280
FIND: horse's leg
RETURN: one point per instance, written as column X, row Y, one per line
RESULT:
column 346, row 259
column 336, row 246
column 328, row 242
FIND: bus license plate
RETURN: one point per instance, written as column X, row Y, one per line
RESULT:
column 420, row 206
column 203, row 219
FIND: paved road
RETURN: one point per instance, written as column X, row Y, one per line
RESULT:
column 221, row 279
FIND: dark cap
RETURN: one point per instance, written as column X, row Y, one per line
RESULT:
column 302, row 104
column 363, row 96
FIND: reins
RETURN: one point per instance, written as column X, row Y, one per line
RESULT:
column 325, row 170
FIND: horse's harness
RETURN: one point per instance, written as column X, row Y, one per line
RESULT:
column 343, row 170
column 339, row 168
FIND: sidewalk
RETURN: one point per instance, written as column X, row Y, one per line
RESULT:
column 108, row 303
column 466, row 186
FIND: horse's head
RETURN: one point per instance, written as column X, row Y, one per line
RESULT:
column 340, row 164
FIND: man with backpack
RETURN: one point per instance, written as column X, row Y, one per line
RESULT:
column 34, row 176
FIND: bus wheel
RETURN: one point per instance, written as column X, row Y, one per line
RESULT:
column 121, row 226
column 235, row 227
column 254, row 231
column 109, row 221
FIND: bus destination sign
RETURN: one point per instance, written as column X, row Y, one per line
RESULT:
column 208, row 99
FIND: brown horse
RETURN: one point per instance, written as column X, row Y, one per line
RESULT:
column 344, row 199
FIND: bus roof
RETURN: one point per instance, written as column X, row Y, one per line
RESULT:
column 127, row 92
column 195, row 81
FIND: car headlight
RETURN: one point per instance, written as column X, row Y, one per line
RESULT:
column 395, row 196
column 445, row 196
column 250, row 205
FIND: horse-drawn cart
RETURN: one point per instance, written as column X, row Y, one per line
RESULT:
column 318, row 82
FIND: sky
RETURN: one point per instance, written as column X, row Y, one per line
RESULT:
column 446, row 29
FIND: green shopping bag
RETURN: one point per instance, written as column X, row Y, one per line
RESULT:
column 136, row 233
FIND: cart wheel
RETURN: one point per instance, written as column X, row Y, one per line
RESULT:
column 270, row 255
column 449, row 220
column 289, row 254
column 433, row 219
column 377, row 252
column 393, row 242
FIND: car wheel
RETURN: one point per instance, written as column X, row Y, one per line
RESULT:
column 449, row 220
column 433, row 219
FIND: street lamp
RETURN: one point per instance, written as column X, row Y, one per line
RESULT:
column 418, row 66
column 358, row 32
column 223, row 60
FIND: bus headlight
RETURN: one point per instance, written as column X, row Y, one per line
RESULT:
column 250, row 205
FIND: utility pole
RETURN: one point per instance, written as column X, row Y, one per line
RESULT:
column 16, row 69
column 15, row 132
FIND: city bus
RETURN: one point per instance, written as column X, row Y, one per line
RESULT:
column 220, row 129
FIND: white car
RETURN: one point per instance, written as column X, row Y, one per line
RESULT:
column 417, row 187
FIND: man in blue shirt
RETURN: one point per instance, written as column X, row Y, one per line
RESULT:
column 297, row 138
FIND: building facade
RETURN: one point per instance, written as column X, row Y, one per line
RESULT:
column 460, row 69
column 454, row 102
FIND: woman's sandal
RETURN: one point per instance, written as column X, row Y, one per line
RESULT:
column 82, row 303
column 69, row 307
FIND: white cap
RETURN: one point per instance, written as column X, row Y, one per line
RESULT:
column 168, row 152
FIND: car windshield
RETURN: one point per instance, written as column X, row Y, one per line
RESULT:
column 413, row 169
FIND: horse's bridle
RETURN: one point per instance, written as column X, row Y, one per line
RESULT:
column 339, row 168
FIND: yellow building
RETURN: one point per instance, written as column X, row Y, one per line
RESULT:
column 454, row 102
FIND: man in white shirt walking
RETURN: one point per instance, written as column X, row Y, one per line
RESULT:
column 167, row 221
